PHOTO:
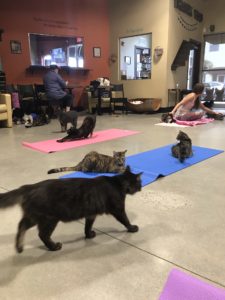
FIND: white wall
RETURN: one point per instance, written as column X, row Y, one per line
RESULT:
column 214, row 14
column 132, row 17
column 159, row 17
column 178, row 33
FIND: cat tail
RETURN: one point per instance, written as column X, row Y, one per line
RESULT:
column 64, row 169
column 11, row 198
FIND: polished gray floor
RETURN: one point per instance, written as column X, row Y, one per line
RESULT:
column 180, row 217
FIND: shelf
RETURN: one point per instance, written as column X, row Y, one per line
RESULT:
column 36, row 68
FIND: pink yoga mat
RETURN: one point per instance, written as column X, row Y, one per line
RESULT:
column 99, row 136
column 196, row 122
column 181, row 286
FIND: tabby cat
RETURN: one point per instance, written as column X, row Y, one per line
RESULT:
column 167, row 118
column 46, row 203
column 183, row 149
column 66, row 118
column 85, row 130
column 97, row 162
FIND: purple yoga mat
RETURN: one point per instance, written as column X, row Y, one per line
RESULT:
column 182, row 286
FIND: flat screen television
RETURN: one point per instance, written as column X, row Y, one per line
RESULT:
column 61, row 50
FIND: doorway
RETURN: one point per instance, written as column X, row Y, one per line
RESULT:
column 193, row 64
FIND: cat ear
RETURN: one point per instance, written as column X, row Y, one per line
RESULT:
column 128, row 170
column 139, row 175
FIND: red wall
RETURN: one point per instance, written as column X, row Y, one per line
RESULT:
column 86, row 18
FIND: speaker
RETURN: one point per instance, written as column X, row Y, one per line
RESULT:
column 211, row 28
column 183, row 6
column 1, row 32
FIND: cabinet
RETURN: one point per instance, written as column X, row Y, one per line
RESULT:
column 145, row 66
column 143, row 63
column 36, row 68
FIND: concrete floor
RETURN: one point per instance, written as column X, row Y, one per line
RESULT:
column 180, row 218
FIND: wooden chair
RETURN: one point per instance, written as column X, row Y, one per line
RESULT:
column 117, row 98
column 27, row 97
column 93, row 98
column 219, row 94
column 209, row 97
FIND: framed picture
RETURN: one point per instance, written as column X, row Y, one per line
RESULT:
column 127, row 60
column 97, row 52
column 15, row 47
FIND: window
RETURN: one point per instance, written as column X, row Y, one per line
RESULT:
column 213, row 47
column 213, row 72
column 61, row 50
column 135, row 57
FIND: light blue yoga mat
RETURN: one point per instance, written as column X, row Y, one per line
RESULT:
column 156, row 163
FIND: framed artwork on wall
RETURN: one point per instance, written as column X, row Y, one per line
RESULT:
column 97, row 52
column 127, row 60
column 15, row 47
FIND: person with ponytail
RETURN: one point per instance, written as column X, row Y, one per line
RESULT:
column 190, row 108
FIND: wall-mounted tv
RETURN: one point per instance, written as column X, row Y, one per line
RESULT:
column 61, row 50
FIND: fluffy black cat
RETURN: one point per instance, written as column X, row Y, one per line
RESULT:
column 82, row 132
column 66, row 118
column 46, row 203
column 183, row 149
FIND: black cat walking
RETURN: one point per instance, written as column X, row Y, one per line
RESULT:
column 83, row 132
column 46, row 203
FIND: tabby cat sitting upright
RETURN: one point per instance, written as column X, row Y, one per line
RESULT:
column 183, row 149
column 97, row 162
column 46, row 203
column 83, row 132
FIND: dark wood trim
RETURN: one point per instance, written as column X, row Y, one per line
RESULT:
column 35, row 68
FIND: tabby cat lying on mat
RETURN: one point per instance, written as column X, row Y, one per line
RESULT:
column 82, row 132
column 46, row 203
column 97, row 162
column 183, row 149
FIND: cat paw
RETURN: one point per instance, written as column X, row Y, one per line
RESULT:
column 133, row 228
column 90, row 235
column 55, row 247
column 19, row 249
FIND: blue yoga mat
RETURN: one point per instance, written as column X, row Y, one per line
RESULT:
column 156, row 163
